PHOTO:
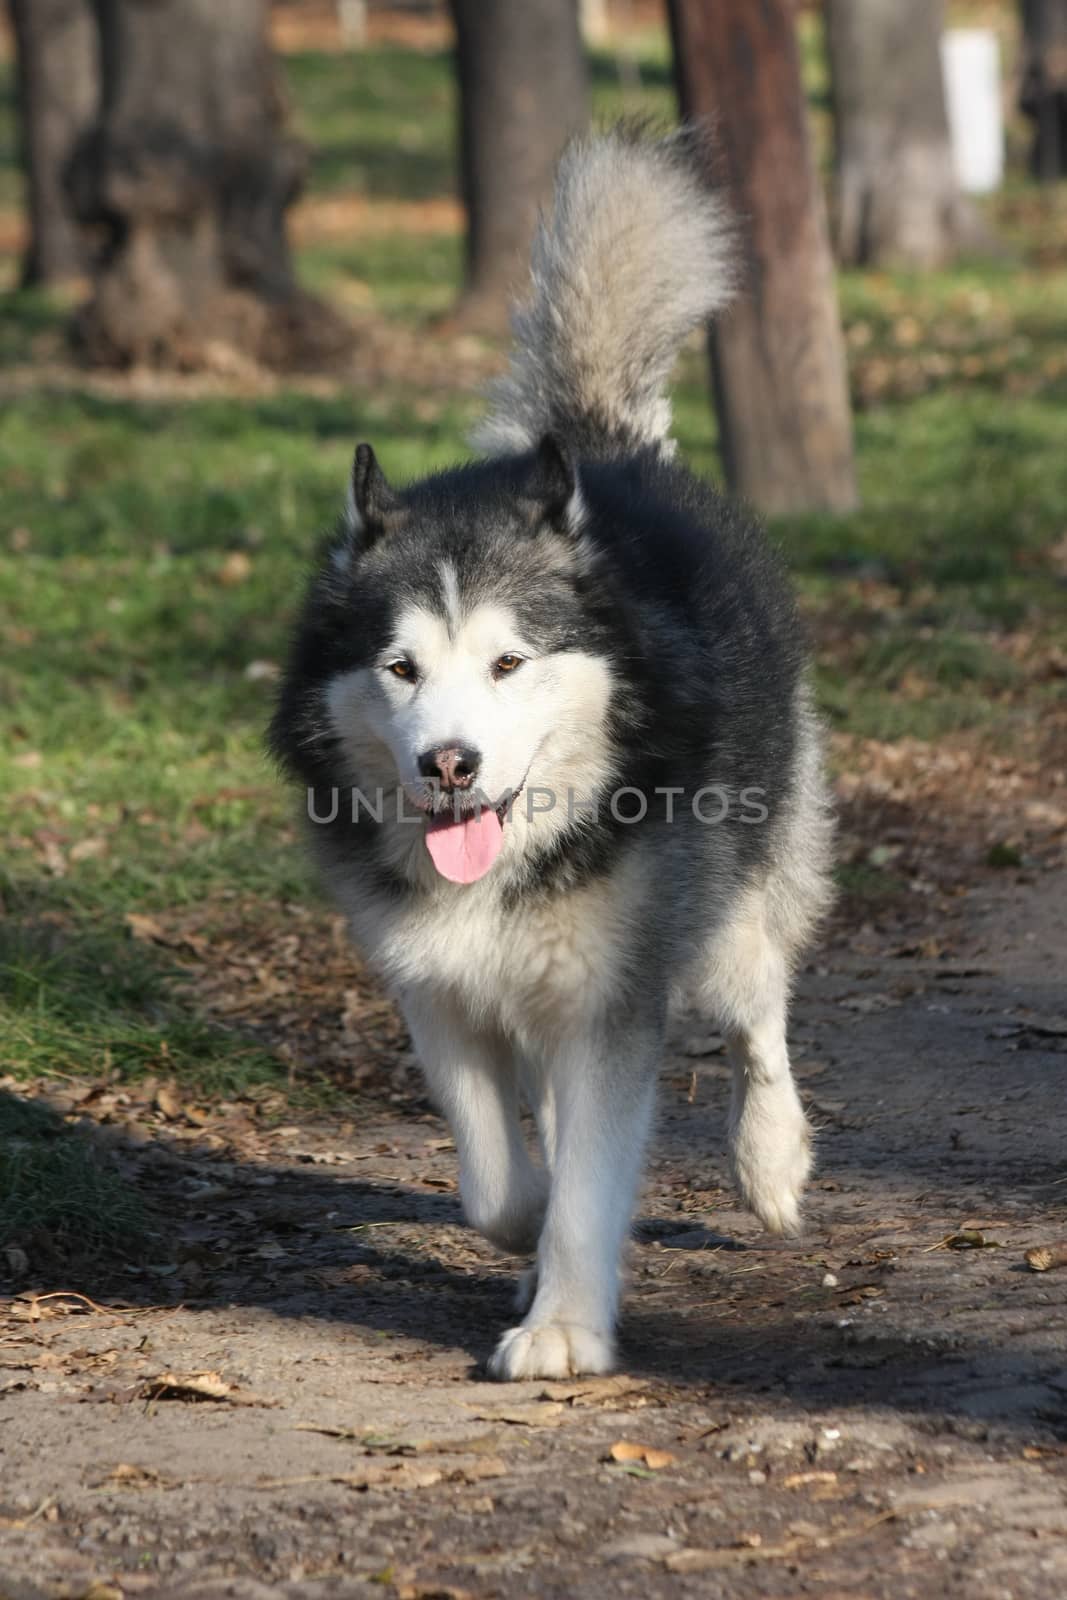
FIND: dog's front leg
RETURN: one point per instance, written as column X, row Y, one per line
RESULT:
column 472, row 1077
column 603, row 1088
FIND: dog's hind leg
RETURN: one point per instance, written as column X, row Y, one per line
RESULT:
column 472, row 1077
column 770, row 1141
column 746, row 985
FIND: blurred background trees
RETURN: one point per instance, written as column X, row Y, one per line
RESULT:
column 58, row 83
column 162, row 483
column 1044, row 85
column 160, row 161
column 778, row 357
column 523, row 92
column 184, row 179
column 898, row 199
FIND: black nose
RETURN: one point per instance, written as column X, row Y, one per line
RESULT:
column 453, row 766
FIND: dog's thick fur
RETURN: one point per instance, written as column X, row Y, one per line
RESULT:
column 594, row 628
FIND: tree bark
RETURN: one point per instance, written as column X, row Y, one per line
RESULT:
column 58, row 80
column 186, row 178
column 1043, row 95
column 898, row 202
column 524, row 90
column 778, row 359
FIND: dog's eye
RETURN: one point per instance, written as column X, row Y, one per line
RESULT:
column 505, row 664
column 402, row 669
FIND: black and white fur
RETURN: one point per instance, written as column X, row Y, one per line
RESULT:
column 658, row 649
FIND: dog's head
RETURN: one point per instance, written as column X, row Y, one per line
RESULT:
column 466, row 658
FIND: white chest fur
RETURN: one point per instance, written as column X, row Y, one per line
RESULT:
column 535, row 970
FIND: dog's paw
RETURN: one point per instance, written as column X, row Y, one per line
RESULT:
column 554, row 1350
column 771, row 1160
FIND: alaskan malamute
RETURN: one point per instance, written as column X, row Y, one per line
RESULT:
column 550, row 712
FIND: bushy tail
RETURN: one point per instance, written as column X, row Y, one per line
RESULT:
column 636, row 252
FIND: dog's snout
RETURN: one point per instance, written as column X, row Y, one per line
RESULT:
column 453, row 766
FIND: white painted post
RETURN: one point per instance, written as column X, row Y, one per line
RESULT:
column 970, row 58
column 352, row 20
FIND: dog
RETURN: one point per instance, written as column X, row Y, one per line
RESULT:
column 551, row 713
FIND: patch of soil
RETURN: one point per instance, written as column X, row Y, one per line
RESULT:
column 291, row 1401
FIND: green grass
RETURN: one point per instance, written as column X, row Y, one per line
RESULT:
column 382, row 122
column 77, row 1002
column 63, row 1204
column 132, row 701
column 379, row 122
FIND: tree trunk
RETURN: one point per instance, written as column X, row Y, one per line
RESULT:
column 778, row 357
column 58, row 86
column 1043, row 96
column 523, row 90
column 898, row 201
column 187, row 176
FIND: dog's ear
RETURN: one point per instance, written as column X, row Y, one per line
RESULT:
column 552, row 488
column 373, row 507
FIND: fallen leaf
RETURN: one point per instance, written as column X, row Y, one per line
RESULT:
column 1045, row 1257
column 127, row 1475
column 623, row 1450
column 627, row 1451
column 237, row 568
column 41, row 1510
column 152, row 931
column 146, row 928
column 538, row 1414
column 32, row 1307
column 87, row 849
column 394, row 1475
column 479, row 1444
column 594, row 1391
column 199, row 1386
column 167, row 1101
column 476, row 1471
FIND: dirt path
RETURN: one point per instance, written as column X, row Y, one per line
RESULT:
column 869, row 1412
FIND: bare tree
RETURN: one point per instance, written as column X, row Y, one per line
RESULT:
column 778, row 357
column 898, row 201
column 187, row 176
column 58, row 85
column 523, row 91
column 1043, row 95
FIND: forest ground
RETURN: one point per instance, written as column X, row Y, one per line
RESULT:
column 215, row 1157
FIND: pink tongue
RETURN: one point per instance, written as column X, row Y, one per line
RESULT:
column 464, row 851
